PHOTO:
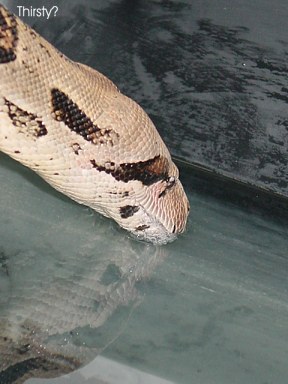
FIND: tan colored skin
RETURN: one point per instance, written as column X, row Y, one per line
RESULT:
column 72, row 126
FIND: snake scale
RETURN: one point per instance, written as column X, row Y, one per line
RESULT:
column 73, row 127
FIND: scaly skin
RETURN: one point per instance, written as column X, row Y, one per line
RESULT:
column 72, row 126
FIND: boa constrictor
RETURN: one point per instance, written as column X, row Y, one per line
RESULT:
column 72, row 126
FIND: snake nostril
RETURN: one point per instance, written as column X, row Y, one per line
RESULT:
column 174, row 229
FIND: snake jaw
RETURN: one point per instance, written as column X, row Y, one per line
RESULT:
column 159, row 214
column 170, row 204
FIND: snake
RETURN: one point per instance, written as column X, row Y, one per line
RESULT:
column 72, row 126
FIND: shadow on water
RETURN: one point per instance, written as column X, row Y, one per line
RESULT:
column 66, row 292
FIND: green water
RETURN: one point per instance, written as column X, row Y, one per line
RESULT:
column 209, row 308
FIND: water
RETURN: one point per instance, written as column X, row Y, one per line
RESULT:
column 210, row 307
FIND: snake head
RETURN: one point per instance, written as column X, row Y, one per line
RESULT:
column 159, row 212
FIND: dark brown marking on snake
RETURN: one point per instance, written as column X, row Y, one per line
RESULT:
column 27, row 66
column 26, row 122
column 45, row 49
column 17, row 152
column 142, row 227
column 64, row 57
column 32, row 33
column 64, row 109
column 148, row 172
column 8, row 36
column 76, row 148
column 128, row 211
column 119, row 193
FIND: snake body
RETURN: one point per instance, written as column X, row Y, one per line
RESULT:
column 72, row 126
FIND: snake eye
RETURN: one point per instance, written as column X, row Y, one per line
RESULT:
column 170, row 181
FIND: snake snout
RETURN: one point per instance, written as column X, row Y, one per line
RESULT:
column 167, row 207
column 175, row 208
